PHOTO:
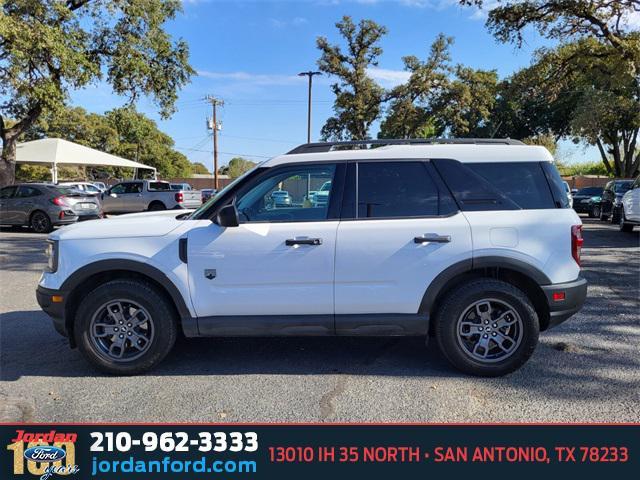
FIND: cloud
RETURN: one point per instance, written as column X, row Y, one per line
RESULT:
column 388, row 78
column 294, row 22
column 252, row 78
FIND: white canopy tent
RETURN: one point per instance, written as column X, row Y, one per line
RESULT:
column 56, row 151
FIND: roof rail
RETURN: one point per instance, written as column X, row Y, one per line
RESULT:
column 320, row 147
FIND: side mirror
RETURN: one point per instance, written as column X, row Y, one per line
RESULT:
column 228, row 216
column 113, row 195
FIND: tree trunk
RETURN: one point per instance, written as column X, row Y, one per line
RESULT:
column 8, row 160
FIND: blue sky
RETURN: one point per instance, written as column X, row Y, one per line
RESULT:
column 249, row 53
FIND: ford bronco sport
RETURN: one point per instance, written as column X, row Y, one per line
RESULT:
column 468, row 241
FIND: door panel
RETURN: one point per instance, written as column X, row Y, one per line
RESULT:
column 250, row 269
column 380, row 268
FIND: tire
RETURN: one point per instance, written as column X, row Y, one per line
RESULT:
column 40, row 222
column 602, row 216
column 595, row 212
column 156, row 206
column 95, row 329
column 615, row 216
column 624, row 226
column 458, row 318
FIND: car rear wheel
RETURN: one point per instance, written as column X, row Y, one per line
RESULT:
column 125, row 327
column 156, row 206
column 40, row 222
column 615, row 216
column 595, row 212
column 487, row 328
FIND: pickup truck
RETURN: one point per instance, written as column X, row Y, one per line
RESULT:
column 141, row 195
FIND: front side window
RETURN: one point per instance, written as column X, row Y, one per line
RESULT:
column 396, row 189
column 119, row 188
column 288, row 194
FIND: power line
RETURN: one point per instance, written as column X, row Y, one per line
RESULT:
column 215, row 102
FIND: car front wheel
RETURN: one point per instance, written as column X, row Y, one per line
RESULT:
column 125, row 327
column 40, row 222
column 487, row 328
column 624, row 226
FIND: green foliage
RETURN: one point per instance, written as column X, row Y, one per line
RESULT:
column 410, row 114
column 199, row 168
column 584, row 168
column 358, row 97
column 50, row 47
column 236, row 167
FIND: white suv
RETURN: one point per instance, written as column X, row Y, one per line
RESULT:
column 470, row 241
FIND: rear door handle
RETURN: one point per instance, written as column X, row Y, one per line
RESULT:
column 432, row 237
column 290, row 242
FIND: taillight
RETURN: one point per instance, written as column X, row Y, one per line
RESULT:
column 576, row 242
column 59, row 201
column 179, row 197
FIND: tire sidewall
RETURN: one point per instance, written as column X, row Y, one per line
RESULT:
column 461, row 299
column 164, row 325
column 48, row 226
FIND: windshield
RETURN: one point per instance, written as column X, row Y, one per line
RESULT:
column 622, row 187
column 203, row 208
column 589, row 191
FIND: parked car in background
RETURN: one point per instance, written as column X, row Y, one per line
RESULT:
column 141, row 195
column 569, row 194
column 101, row 185
column 587, row 200
column 630, row 207
column 88, row 188
column 181, row 186
column 42, row 206
column 612, row 199
column 207, row 193
column 280, row 198
column 321, row 197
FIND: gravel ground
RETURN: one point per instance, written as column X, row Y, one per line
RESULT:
column 587, row 369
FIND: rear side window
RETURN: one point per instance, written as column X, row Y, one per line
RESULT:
column 503, row 185
column 154, row 186
column 399, row 189
column 524, row 183
column 26, row 192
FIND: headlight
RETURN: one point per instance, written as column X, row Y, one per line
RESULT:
column 52, row 256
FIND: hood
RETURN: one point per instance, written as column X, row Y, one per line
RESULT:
column 148, row 224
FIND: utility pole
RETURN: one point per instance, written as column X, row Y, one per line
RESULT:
column 215, row 102
column 309, row 74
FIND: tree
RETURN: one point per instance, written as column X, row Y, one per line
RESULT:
column 50, row 47
column 199, row 168
column 409, row 115
column 236, row 167
column 564, row 20
column 358, row 97
column 465, row 107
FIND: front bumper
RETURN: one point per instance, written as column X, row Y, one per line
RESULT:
column 54, row 309
column 575, row 293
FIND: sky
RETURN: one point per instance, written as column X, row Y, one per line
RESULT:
column 248, row 53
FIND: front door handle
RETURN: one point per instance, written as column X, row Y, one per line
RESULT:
column 432, row 237
column 290, row 242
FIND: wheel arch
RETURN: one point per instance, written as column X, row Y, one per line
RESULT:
column 87, row 278
column 518, row 273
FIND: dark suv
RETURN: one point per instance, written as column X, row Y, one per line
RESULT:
column 587, row 200
column 612, row 199
column 41, row 206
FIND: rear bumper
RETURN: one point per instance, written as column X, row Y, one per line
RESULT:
column 575, row 294
column 54, row 310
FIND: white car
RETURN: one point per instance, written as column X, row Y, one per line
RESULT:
column 468, row 241
column 630, row 213
column 567, row 189
column 86, row 187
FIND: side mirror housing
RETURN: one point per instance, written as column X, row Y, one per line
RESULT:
column 228, row 216
column 113, row 195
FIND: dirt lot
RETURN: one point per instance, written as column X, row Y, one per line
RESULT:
column 587, row 369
